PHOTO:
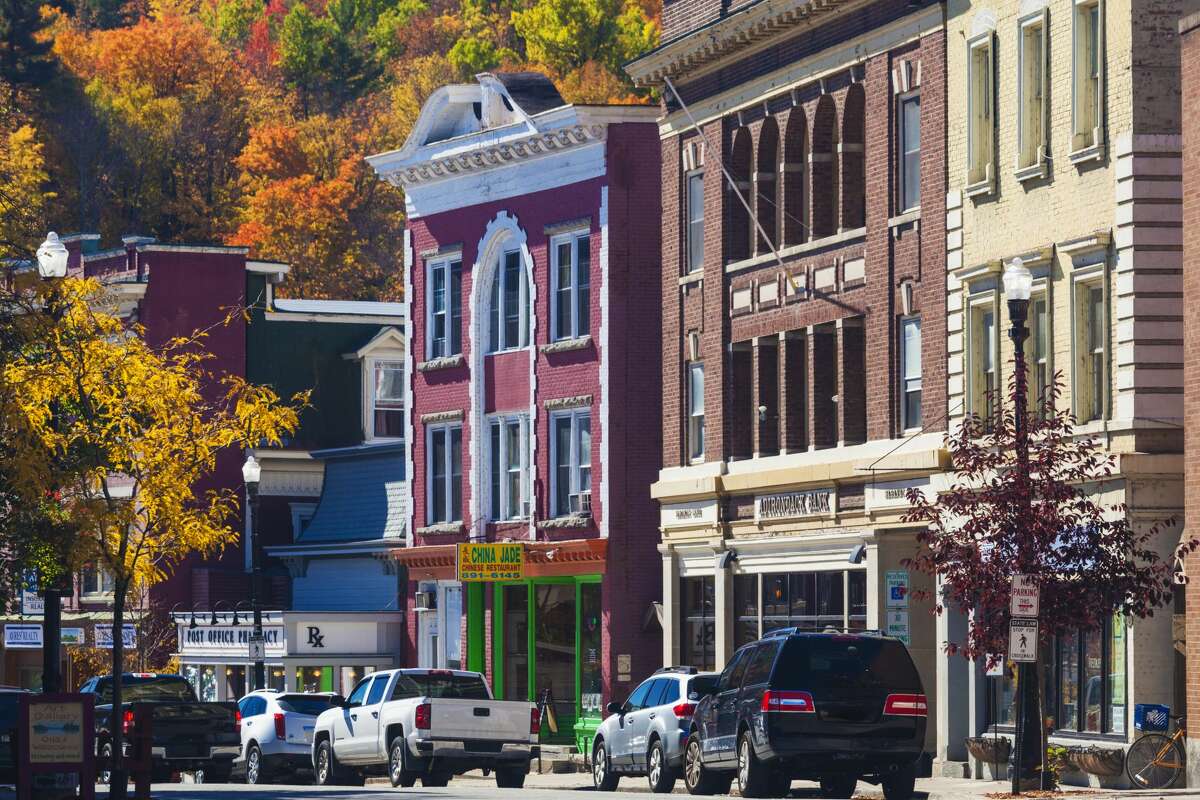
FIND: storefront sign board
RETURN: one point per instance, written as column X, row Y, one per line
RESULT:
column 55, row 751
column 896, row 582
column 697, row 512
column 495, row 561
column 32, row 604
column 104, row 636
column 1022, row 640
column 229, row 640
column 791, row 505
column 323, row 636
column 893, row 494
column 22, row 637
column 73, row 636
column 1024, row 596
column 897, row 625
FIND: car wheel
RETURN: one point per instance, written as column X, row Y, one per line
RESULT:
column 199, row 777
column 839, row 786
column 435, row 781
column 658, row 771
column 323, row 769
column 104, row 775
column 510, row 778
column 254, row 765
column 602, row 774
column 781, row 783
column 698, row 779
column 899, row 785
column 400, row 776
column 753, row 776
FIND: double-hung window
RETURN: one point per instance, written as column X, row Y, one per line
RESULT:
column 571, row 455
column 981, row 120
column 1031, row 95
column 1088, row 76
column 444, row 329
column 910, row 151
column 508, row 446
column 1091, row 334
column 572, row 270
column 910, row 372
column 1039, row 380
column 983, row 361
column 508, row 320
column 444, row 468
column 96, row 581
column 696, row 411
column 695, row 221
column 387, row 402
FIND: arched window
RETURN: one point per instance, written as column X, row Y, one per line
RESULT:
column 825, row 207
column 854, row 185
column 738, row 229
column 508, row 312
column 795, row 159
column 766, row 196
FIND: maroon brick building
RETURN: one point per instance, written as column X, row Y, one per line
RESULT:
column 804, row 335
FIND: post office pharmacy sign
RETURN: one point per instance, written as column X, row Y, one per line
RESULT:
column 497, row 561
column 228, row 639
column 791, row 505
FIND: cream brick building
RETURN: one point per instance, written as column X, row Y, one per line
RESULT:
column 1064, row 149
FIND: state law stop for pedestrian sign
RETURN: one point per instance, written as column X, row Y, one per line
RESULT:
column 1022, row 639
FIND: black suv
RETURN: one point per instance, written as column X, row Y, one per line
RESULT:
column 829, row 707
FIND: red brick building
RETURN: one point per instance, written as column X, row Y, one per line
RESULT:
column 533, row 292
column 804, row 336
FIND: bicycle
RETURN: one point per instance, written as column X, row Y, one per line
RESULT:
column 1155, row 761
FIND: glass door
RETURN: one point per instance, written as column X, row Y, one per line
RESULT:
column 516, row 642
column 554, row 650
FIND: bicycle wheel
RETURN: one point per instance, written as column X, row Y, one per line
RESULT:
column 1154, row 762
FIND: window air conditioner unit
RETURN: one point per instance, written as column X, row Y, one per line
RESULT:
column 581, row 504
column 425, row 601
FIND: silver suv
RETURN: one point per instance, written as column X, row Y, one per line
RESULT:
column 277, row 732
column 646, row 734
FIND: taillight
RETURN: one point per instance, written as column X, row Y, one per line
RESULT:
column 906, row 705
column 535, row 721
column 127, row 722
column 683, row 709
column 280, row 729
column 788, row 702
column 424, row 716
column 237, row 721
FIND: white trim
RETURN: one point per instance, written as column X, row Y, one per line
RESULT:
column 986, row 184
column 1095, row 148
column 288, row 316
column 368, row 376
column 446, row 264
column 502, row 420
column 605, row 404
column 410, row 430
column 571, row 238
column 902, row 377
column 1035, row 168
column 388, row 340
column 448, row 428
column 574, row 415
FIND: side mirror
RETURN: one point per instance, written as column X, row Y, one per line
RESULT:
column 613, row 707
column 337, row 701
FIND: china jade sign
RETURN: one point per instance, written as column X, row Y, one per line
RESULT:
column 491, row 562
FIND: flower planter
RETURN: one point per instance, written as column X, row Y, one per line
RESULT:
column 1107, row 762
column 989, row 749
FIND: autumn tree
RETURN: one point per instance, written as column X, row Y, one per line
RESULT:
column 126, row 432
column 24, row 52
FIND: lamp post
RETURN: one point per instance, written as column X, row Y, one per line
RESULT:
column 251, row 472
column 52, row 257
column 1018, row 284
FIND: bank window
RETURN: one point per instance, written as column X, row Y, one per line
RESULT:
column 444, row 468
column 980, row 121
column 1091, row 335
column 387, row 400
column 695, row 221
column 1087, row 75
column 805, row 600
column 1031, row 92
column 910, row 152
column 910, row 372
column 1089, row 679
column 444, row 303
column 95, row 581
column 508, row 315
column 508, row 452
column 571, row 455
column 984, row 380
column 695, row 431
column 698, row 645
column 572, row 270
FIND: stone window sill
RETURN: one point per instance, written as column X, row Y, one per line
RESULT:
column 1032, row 172
column 980, row 188
column 569, row 521
column 444, row 362
column 441, row 528
column 910, row 216
column 842, row 237
column 692, row 277
column 1086, row 154
column 566, row 345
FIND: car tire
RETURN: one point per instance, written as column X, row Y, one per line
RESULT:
column 698, row 779
column 400, row 777
column 435, row 781
column 753, row 776
column 105, row 775
column 604, row 779
column 510, row 778
column 660, row 774
column 900, row 784
column 839, row 786
column 254, row 765
column 781, row 783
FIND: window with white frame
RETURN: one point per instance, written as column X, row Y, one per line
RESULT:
column 95, row 581
column 1087, row 75
column 571, row 455
column 695, row 221
column 910, row 151
column 508, row 316
column 1091, row 334
column 980, row 121
column 444, row 468
column 387, row 400
column 1039, row 355
column 695, row 431
column 508, row 458
column 910, row 372
column 1031, row 91
column 444, row 304
column 572, row 271
column 984, row 379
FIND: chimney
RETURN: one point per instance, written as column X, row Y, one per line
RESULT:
column 78, row 246
column 131, row 242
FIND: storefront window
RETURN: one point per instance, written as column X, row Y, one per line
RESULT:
column 349, row 677
column 452, row 610
column 1089, row 679
column 206, row 688
column 1068, row 684
column 235, row 681
column 554, row 648
column 314, row 679
column 856, row 585
column 590, row 676
column 698, row 647
column 1116, row 677
column 810, row 600
column 275, row 678
column 516, row 642
column 1003, row 694
column 745, row 609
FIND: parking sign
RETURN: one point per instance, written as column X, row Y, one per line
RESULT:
column 897, row 588
column 1024, row 596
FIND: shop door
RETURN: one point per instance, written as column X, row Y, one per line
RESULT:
column 516, row 642
column 554, row 651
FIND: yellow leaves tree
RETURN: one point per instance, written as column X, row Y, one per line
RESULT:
column 126, row 432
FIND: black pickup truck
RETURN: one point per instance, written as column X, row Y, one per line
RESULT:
column 185, row 735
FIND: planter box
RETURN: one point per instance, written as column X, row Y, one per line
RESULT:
column 989, row 749
column 1107, row 762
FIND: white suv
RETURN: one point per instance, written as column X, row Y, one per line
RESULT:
column 277, row 730
column 646, row 734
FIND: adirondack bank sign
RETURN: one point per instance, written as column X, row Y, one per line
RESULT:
column 791, row 505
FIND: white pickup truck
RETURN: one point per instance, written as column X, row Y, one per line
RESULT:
column 430, row 724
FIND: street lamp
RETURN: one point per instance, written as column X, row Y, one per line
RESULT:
column 52, row 257
column 251, row 473
column 1018, row 285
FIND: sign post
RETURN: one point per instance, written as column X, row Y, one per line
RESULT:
column 257, row 647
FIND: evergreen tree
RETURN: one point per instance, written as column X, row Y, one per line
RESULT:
column 24, row 59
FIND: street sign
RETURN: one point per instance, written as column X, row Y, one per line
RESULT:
column 257, row 646
column 897, row 588
column 897, row 625
column 996, row 670
column 1022, row 640
column 1024, row 596
column 32, row 604
column 499, row 561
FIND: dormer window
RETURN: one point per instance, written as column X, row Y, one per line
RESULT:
column 387, row 404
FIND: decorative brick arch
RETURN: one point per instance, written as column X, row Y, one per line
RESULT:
column 824, row 169
column 793, row 172
column 766, row 186
column 853, row 168
column 738, row 226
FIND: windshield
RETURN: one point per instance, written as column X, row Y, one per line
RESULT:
column 310, row 704
column 164, row 688
column 810, row 662
column 464, row 687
